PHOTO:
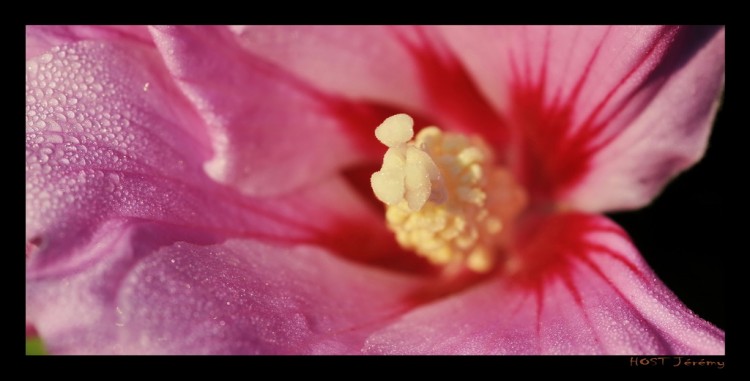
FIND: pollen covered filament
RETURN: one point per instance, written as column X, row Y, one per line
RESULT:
column 446, row 200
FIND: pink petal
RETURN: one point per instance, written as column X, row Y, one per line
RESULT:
column 578, row 286
column 359, row 62
column 261, row 119
column 109, row 136
column 604, row 116
column 167, row 290
column 453, row 100
column 408, row 68
column 41, row 38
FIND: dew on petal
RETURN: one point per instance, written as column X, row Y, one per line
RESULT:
column 45, row 58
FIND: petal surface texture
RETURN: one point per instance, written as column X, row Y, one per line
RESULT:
column 153, row 293
column 602, row 117
column 578, row 287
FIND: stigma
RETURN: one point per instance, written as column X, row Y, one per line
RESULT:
column 445, row 197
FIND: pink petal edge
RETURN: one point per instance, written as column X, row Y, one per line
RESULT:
column 580, row 287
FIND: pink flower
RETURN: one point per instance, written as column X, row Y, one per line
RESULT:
column 206, row 190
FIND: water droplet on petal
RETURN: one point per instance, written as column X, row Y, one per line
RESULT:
column 53, row 126
column 32, row 68
column 54, row 139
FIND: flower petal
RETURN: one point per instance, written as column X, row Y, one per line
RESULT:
column 162, row 289
column 41, row 38
column 407, row 68
column 95, row 143
column 578, row 286
column 108, row 135
column 271, row 132
column 604, row 116
column 360, row 62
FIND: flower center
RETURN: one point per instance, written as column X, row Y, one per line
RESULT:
column 446, row 199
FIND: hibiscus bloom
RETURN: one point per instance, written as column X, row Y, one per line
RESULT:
column 207, row 189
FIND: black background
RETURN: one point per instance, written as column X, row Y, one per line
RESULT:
column 682, row 233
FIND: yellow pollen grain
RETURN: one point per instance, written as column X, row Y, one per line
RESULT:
column 446, row 199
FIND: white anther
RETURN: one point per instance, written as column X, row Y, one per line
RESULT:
column 395, row 130
column 388, row 185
